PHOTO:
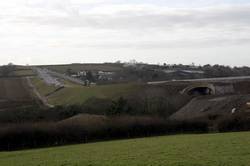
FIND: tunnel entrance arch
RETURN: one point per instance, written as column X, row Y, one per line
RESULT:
column 199, row 90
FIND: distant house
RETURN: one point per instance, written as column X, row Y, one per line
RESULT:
column 75, row 75
column 105, row 75
column 79, row 74
column 82, row 73
column 193, row 71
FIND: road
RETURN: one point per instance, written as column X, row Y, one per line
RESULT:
column 47, row 77
column 219, row 79
column 51, row 77
column 65, row 77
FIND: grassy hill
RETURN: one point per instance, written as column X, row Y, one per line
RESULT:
column 77, row 94
column 230, row 149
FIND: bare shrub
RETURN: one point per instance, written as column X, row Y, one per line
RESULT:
column 240, row 122
column 86, row 128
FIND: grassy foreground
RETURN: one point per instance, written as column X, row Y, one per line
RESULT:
column 230, row 149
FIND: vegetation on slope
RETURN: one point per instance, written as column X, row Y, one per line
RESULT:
column 77, row 94
column 42, row 87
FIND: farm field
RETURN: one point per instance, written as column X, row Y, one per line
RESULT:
column 229, row 149
column 24, row 72
column 14, row 89
column 14, row 92
column 19, row 71
column 77, row 94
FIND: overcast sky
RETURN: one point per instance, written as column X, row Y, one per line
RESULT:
column 153, row 31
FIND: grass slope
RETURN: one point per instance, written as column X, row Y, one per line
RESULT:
column 77, row 94
column 42, row 88
column 230, row 149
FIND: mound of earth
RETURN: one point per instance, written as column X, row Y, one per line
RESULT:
column 211, row 106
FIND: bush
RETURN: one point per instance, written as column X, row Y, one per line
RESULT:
column 86, row 128
column 119, row 107
column 234, row 123
column 37, row 114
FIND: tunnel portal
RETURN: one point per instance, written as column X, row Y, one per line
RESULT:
column 199, row 90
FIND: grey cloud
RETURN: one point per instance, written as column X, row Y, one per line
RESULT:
column 162, row 44
column 214, row 26
column 215, row 17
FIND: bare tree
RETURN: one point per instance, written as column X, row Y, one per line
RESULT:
column 6, row 70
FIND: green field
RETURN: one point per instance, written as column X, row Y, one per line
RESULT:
column 230, row 149
column 23, row 73
column 78, row 94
